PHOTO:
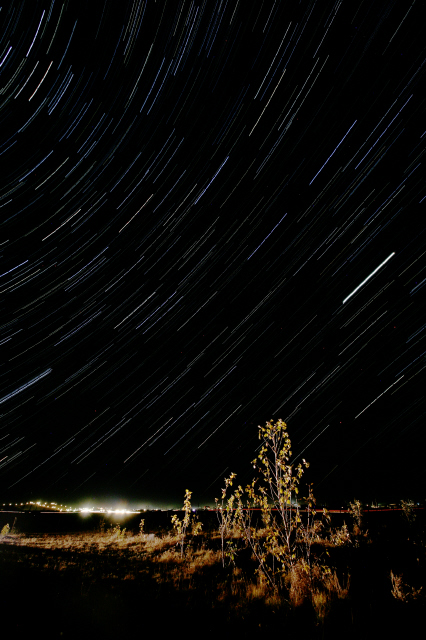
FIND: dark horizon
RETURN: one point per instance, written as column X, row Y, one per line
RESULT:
column 212, row 215
column 125, row 508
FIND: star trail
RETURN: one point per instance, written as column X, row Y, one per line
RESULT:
column 212, row 215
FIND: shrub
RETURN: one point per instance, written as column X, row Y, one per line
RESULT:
column 116, row 531
column 285, row 538
column 402, row 591
column 225, row 516
column 340, row 537
column 408, row 510
column 181, row 526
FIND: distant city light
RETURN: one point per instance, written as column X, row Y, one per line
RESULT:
column 55, row 507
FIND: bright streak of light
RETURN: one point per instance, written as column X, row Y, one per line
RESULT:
column 379, row 396
column 25, row 386
column 368, row 277
column 332, row 154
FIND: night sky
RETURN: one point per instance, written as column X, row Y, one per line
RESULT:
column 212, row 215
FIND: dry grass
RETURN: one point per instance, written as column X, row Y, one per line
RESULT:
column 298, row 584
column 152, row 566
column 402, row 591
column 258, row 590
column 318, row 584
column 204, row 558
column 163, row 551
column 334, row 588
column 238, row 589
column 83, row 542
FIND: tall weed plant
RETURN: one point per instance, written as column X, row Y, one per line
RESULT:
column 281, row 539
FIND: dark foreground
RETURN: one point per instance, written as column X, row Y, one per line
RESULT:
column 109, row 585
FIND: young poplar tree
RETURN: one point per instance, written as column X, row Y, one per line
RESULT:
column 181, row 526
column 284, row 540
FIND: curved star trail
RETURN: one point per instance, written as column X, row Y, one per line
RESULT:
column 212, row 215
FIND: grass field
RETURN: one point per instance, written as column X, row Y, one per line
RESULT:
column 118, row 583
